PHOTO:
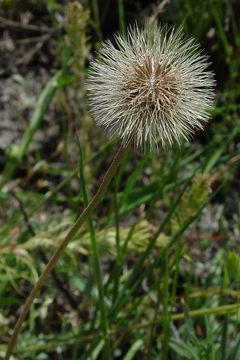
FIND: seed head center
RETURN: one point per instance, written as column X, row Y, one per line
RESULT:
column 152, row 84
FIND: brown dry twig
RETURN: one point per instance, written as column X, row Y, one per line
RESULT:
column 15, row 24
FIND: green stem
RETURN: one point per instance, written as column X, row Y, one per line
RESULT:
column 166, row 314
column 121, row 17
column 16, row 153
column 97, row 265
column 96, row 15
column 72, row 232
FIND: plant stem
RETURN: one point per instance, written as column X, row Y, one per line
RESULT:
column 72, row 232
column 59, row 283
column 97, row 265
column 95, row 9
column 17, row 153
column 121, row 17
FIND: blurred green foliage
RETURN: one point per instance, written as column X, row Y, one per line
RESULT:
column 168, row 232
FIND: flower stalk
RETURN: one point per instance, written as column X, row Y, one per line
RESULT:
column 70, row 235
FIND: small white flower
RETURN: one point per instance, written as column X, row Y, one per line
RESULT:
column 153, row 88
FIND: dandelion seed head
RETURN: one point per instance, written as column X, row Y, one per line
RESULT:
column 153, row 88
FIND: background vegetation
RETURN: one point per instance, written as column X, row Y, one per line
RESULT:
column 167, row 233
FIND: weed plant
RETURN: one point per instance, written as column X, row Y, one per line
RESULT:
column 167, row 234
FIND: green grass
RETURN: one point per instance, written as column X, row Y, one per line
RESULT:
column 154, row 274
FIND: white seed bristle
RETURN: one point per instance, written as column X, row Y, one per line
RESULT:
column 153, row 87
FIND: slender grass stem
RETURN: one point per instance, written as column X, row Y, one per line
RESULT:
column 72, row 232
column 97, row 266
column 166, row 314
column 121, row 17
column 95, row 9
column 17, row 153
